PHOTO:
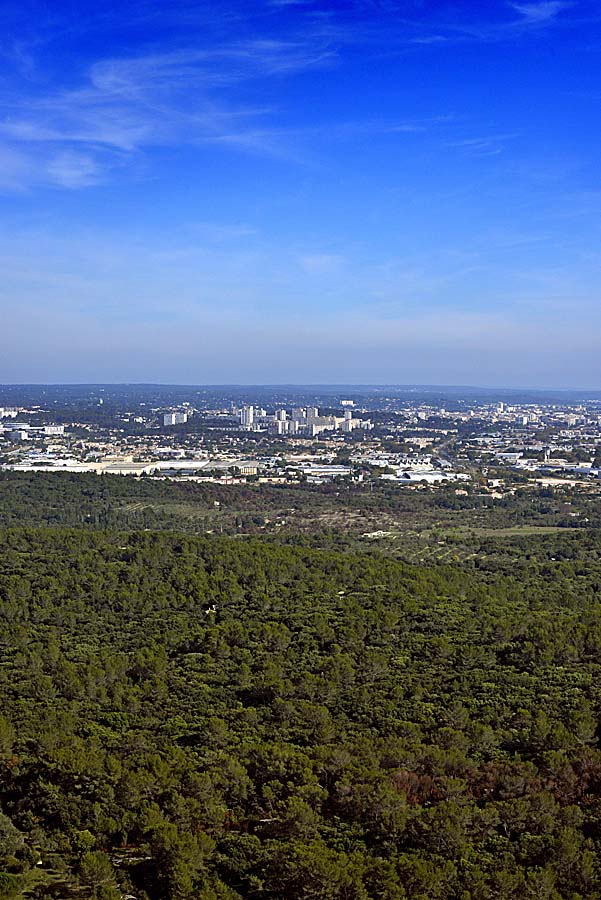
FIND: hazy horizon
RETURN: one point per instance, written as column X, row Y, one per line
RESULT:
column 376, row 386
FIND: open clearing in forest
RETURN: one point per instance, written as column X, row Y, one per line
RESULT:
column 458, row 545
column 510, row 531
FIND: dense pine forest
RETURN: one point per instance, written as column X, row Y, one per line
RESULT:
column 228, row 717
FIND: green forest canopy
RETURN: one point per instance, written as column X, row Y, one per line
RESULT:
column 204, row 717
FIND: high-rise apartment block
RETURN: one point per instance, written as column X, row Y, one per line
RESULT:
column 175, row 418
column 247, row 416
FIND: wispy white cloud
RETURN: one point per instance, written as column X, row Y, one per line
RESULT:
column 487, row 145
column 430, row 39
column 541, row 13
column 486, row 23
column 73, row 170
column 284, row 3
column 124, row 106
column 71, row 137
column 121, row 107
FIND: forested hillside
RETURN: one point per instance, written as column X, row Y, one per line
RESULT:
column 189, row 717
column 124, row 503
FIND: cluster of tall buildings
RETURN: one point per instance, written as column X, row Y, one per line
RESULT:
column 175, row 418
column 301, row 420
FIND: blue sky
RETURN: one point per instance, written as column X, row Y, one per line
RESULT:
column 293, row 191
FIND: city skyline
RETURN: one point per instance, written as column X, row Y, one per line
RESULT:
column 305, row 192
